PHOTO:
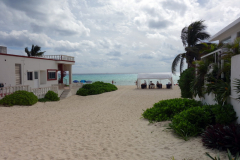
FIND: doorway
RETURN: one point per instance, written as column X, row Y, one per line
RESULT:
column 36, row 79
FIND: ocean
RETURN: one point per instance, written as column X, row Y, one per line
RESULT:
column 119, row 79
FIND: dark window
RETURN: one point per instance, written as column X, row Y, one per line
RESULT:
column 227, row 40
column 52, row 75
column 29, row 76
column 238, row 34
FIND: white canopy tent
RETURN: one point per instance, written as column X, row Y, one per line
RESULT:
column 159, row 76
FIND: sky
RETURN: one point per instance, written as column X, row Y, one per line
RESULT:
column 110, row 36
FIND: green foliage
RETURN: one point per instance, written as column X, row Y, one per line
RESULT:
column 19, row 98
column 197, row 85
column 43, row 100
column 96, row 88
column 185, row 79
column 191, row 122
column 166, row 109
column 35, row 51
column 223, row 114
column 221, row 89
column 229, row 156
column 52, row 96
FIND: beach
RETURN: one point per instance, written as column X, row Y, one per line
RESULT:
column 98, row 127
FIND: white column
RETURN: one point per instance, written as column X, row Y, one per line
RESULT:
column 70, row 74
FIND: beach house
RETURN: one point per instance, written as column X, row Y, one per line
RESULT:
column 227, row 35
column 36, row 74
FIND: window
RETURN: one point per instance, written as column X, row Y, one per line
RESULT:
column 238, row 34
column 52, row 74
column 227, row 40
column 36, row 75
column 18, row 74
column 29, row 76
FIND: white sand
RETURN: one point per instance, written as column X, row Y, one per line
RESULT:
column 106, row 127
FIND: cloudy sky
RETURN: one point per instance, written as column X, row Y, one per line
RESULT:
column 109, row 36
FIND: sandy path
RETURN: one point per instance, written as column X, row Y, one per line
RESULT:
column 101, row 127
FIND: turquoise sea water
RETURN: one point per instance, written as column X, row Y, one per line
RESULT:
column 120, row 79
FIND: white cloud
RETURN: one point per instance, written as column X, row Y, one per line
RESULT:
column 110, row 35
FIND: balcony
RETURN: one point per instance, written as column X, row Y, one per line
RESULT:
column 57, row 57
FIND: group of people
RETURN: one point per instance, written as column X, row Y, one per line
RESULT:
column 151, row 84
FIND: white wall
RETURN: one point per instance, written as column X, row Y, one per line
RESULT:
column 7, row 70
column 235, row 73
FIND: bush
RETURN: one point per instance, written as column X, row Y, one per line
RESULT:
column 43, row 100
column 184, row 82
column 166, row 109
column 224, row 114
column 52, row 96
column 96, row 88
column 222, row 137
column 19, row 98
column 191, row 122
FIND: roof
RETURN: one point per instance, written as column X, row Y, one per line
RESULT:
column 228, row 28
column 154, row 75
column 42, row 58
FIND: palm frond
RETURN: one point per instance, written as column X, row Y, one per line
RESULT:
column 175, row 63
column 182, row 64
column 27, row 51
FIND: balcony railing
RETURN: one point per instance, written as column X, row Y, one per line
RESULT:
column 57, row 57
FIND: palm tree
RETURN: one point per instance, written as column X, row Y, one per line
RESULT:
column 35, row 51
column 191, row 36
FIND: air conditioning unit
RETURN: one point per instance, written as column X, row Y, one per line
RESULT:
column 3, row 49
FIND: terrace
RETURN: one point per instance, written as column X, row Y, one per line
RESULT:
column 57, row 57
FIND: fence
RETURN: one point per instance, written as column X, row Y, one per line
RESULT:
column 39, row 92
column 9, row 90
column 57, row 57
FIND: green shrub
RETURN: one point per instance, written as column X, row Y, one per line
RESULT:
column 184, row 82
column 52, row 96
column 19, row 98
column 43, row 100
column 96, row 88
column 224, row 114
column 82, row 92
column 166, row 109
column 191, row 122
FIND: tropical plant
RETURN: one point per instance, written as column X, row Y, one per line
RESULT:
column 223, row 114
column 221, row 90
column 190, row 36
column 229, row 156
column 35, row 51
column 166, row 109
column 191, row 122
column 197, row 85
column 233, row 48
column 222, row 137
column 185, row 79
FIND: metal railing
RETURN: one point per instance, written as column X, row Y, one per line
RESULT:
column 57, row 57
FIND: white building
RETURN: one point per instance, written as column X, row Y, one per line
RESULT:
column 34, row 72
column 227, row 35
